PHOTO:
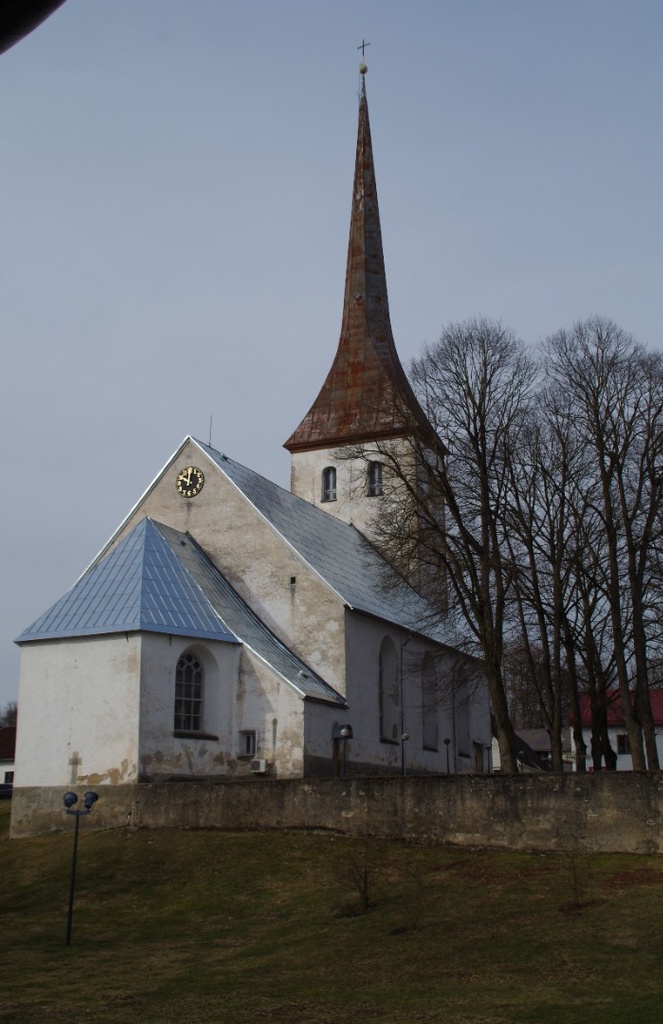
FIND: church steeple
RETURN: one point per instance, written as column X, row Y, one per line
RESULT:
column 366, row 395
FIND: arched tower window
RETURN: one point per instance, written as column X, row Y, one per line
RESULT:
column 329, row 484
column 389, row 692
column 189, row 680
column 374, row 480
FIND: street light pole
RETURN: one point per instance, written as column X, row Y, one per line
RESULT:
column 69, row 800
column 404, row 738
column 346, row 732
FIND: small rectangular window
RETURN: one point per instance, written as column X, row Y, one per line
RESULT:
column 9, row 777
column 623, row 746
column 247, row 743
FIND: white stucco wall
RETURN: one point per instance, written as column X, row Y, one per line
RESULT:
column 269, row 706
column 162, row 754
column 241, row 694
column 364, row 638
column 79, row 702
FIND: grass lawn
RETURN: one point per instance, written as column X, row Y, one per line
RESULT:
column 184, row 926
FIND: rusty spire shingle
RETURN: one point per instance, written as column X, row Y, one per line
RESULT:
column 366, row 395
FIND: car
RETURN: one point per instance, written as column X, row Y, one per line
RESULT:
column 6, row 789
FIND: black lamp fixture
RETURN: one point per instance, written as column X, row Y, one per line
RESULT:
column 89, row 800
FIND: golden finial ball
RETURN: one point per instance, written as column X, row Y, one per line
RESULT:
column 362, row 69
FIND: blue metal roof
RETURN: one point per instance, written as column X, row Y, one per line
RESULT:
column 139, row 585
column 158, row 580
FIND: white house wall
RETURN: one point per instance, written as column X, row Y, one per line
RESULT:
column 624, row 761
column 79, row 702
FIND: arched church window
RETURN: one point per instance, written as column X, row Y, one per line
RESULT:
column 374, row 480
column 389, row 690
column 429, row 703
column 189, row 678
column 329, row 484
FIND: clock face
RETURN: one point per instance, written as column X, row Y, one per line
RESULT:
column 190, row 481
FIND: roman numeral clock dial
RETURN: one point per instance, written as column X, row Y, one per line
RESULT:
column 190, row 482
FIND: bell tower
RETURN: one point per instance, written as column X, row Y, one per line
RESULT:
column 366, row 398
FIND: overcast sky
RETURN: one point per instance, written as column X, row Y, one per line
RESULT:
column 175, row 201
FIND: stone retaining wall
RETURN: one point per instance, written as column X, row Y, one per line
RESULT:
column 620, row 811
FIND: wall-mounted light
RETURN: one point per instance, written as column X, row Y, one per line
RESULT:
column 343, row 732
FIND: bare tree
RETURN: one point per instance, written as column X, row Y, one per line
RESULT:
column 9, row 714
column 447, row 491
column 531, row 516
column 542, row 470
column 616, row 389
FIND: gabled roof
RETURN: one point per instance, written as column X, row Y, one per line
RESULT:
column 366, row 395
column 336, row 551
column 158, row 580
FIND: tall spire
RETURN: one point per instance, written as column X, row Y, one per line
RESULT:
column 366, row 395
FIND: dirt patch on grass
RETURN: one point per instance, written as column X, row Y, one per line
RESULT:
column 636, row 876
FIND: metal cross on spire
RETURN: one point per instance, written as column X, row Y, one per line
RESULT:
column 363, row 46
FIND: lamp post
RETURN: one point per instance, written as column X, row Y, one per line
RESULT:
column 346, row 732
column 404, row 738
column 69, row 800
column 341, row 732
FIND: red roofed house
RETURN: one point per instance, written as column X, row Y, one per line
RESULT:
column 7, row 748
column 617, row 729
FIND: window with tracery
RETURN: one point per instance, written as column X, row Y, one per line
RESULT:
column 188, row 694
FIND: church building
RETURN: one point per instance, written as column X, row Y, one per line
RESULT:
column 231, row 629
